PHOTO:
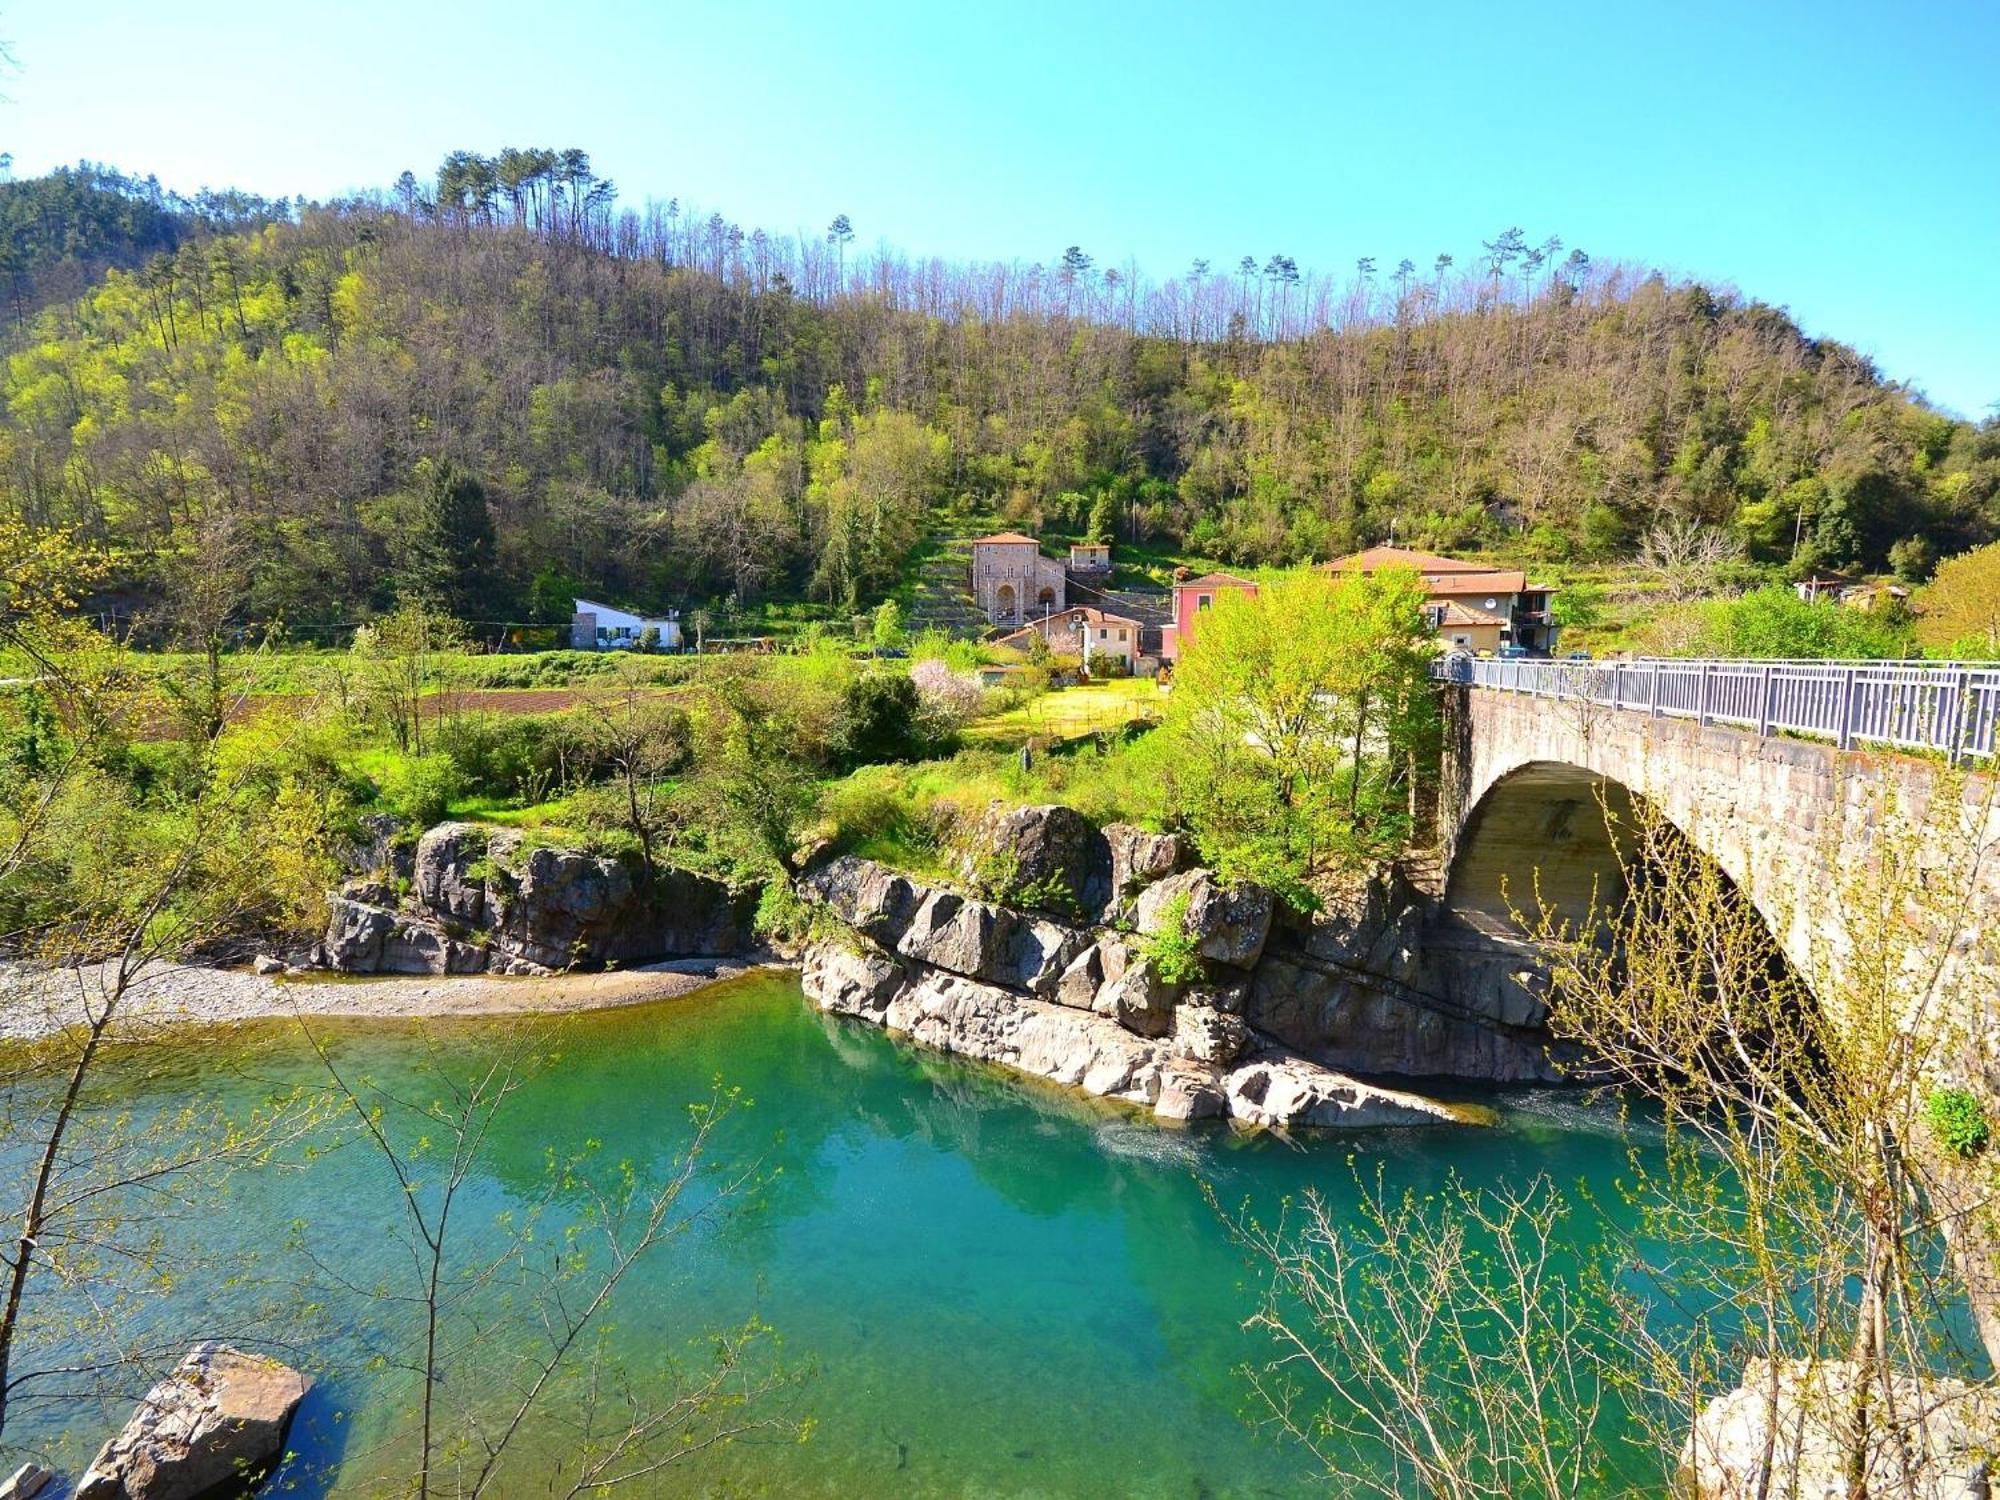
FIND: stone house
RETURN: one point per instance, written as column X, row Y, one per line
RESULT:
column 1012, row 582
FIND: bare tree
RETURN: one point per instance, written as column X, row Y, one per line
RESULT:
column 1685, row 556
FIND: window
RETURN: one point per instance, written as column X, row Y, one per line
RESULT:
column 1121, row 637
column 1103, row 634
column 1202, row 601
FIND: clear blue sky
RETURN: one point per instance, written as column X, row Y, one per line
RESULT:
column 1839, row 158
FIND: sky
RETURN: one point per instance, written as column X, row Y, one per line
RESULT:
column 1840, row 159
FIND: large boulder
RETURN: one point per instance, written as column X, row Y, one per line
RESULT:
column 450, row 874
column 219, row 1419
column 354, row 935
column 868, row 897
column 1140, row 999
column 1138, row 859
column 1937, row 1445
column 1047, row 858
column 1229, row 923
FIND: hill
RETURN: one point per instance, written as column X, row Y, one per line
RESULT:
column 499, row 387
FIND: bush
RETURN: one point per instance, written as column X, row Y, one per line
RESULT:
column 1958, row 1120
column 503, row 756
column 781, row 916
column 423, row 787
column 880, row 718
column 1173, row 951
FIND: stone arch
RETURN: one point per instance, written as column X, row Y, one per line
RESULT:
column 1540, row 836
column 1046, row 599
column 1006, row 604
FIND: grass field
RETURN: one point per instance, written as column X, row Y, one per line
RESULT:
column 1071, row 713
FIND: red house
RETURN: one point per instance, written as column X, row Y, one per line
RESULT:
column 1190, row 599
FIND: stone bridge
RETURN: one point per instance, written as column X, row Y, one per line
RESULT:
column 1529, row 777
column 1536, row 760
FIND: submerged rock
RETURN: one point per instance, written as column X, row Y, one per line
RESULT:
column 1929, row 1440
column 219, row 1418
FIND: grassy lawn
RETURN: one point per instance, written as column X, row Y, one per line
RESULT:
column 1070, row 713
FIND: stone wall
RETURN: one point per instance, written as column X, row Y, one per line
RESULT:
column 483, row 900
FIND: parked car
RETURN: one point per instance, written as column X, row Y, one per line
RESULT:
column 1512, row 653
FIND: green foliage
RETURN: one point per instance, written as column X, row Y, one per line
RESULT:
column 880, row 718
column 1958, row 612
column 887, row 632
column 781, row 917
column 1773, row 622
column 1958, row 1120
column 1174, row 950
column 422, row 787
column 772, row 447
column 1304, row 715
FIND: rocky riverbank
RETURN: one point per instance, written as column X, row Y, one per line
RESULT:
column 1087, row 1003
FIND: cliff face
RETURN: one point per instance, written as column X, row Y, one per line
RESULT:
column 480, row 901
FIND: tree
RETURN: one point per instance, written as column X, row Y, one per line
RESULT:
column 887, row 631
column 643, row 737
column 1958, row 612
column 1303, row 712
column 105, row 876
column 458, row 536
column 1685, row 556
column 840, row 234
column 403, row 656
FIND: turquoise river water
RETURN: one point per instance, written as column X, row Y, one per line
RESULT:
column 1000, row 1288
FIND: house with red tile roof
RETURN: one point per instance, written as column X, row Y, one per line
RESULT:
column 1473, row 606
column 1081, row 630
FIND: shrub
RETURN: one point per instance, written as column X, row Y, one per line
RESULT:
column 879, row 719
column 781, row 915
column 948, row 698
column 1958, row 1120
column 422, row 787
column 1173, row 951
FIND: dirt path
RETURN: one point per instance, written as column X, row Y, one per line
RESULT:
column 35, row 1004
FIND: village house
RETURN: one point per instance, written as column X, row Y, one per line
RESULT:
column 1093, row 634
column 599, row 627
column 1473, row 606
column 1012, row 582
column 1191, row 597
column 1090, row 558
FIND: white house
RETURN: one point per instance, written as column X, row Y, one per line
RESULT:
column 599, row 627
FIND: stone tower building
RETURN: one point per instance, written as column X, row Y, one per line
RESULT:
column 1012, row 581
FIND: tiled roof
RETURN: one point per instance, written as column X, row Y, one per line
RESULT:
column 1216, row 581
column 1006, row 536
column 1494, row 583
column 1464, row 614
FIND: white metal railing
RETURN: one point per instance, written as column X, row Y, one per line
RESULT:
column 1952, row 707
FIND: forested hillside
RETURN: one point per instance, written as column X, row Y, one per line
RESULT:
column 61, row 232
column 493, row 389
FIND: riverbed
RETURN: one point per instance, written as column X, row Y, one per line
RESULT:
column 986, row 1286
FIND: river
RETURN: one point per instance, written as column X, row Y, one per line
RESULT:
column 999, row 1288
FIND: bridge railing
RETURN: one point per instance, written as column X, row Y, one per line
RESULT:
column 1951, row 707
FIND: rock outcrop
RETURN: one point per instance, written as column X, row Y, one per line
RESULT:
column 1079, row 1006
column 484, row 900
column 1930, row 1440
column 219, row 1419
column 1229, row 924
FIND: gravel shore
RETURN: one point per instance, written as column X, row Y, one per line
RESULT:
column 39, row 1003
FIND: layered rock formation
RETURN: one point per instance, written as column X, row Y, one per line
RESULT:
column 217, row 1420
column 1082, row 1004
column 483, row 900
